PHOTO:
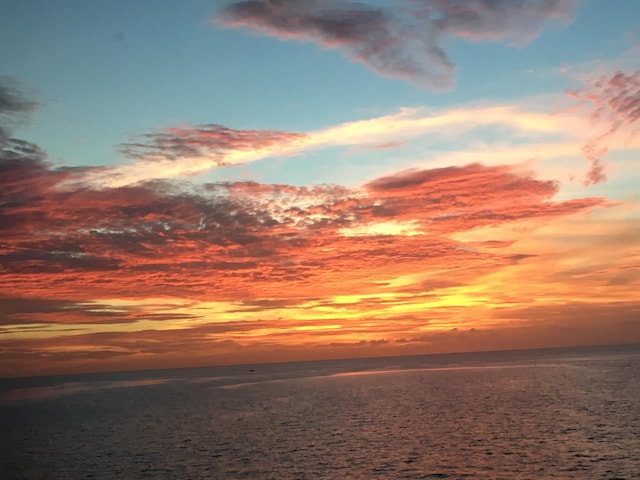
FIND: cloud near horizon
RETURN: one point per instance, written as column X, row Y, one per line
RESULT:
column 400, row 40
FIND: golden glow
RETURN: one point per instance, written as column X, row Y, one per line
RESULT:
column 382, row 228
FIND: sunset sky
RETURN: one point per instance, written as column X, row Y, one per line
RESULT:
column 212, row 182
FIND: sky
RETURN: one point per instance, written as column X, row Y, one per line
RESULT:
column 204, row 182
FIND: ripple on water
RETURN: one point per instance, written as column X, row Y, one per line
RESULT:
column 551, row 417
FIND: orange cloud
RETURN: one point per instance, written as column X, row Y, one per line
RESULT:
column 165, row 273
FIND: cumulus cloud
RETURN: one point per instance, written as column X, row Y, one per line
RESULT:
column 401, row 40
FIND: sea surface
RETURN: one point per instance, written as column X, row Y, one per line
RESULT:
column 548, row 414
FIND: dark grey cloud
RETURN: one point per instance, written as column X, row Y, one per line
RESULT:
column 19, row 312
column 13, row 106
column 518, row 21
column 12, row 100
column 9, row 306
column 402, row 39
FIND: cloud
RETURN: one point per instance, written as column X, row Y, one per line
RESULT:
column 402, row 40
column 462, row 198
column 211, row 141
column 616, row 98
column 190, row 150
column 11, row 306
column 618, row 312
column 195, row 149
column 518, row 21
column 577, row 322
column 593, row 152
column 615, row 105
column 13, row 107
column 175, row 271
column 19, row 311
column 118, row 350
column 244, row 240
column 12, row 99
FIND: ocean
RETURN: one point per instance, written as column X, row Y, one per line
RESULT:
column 549, row 414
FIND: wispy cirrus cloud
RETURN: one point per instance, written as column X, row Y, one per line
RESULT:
column 212, row 141
column 527, row 132
column 191, row 150
column 402, row 39
column 616, row 98
column 615, row 102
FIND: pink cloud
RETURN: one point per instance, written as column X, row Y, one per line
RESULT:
column 615, row 103
column 204, row 140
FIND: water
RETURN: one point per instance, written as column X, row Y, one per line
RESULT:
column 549, row 414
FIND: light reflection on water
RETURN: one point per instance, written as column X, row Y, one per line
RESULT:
column 555, row 414
column 69, row 388
column 437, row 369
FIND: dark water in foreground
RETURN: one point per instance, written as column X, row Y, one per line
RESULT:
column 572, row 413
